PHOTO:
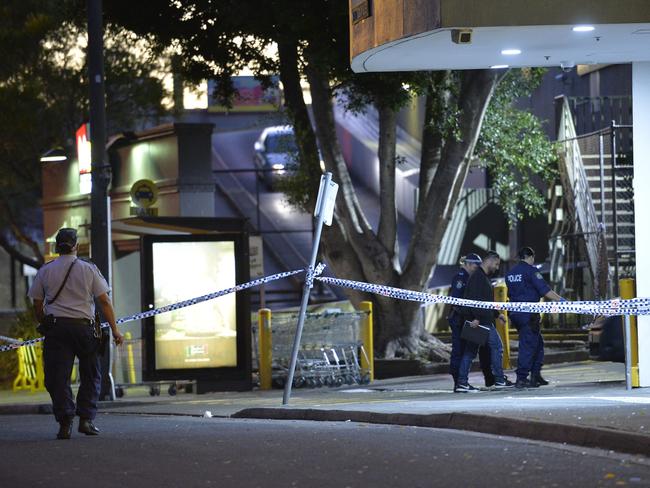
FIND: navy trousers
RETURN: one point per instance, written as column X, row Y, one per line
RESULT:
column 531, row 344
column 62, row 343
column 496, row 357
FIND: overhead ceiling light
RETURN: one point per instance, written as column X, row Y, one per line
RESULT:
column 55, row 155
column 499, row 66
column 511, row 52
column 583, row 28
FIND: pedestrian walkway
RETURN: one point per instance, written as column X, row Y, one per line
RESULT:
column 585, row 404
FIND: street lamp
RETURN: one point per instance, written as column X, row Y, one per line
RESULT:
column 99, row 223
column 54, row 155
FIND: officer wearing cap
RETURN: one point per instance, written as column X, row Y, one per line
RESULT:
column 468, row 264
column 64, row 293
column 525, row 284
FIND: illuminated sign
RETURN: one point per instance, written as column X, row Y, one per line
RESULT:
column 203, row 335
column 250, row 95
column 84, row 158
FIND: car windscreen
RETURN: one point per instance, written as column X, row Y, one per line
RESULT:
column 281, row 143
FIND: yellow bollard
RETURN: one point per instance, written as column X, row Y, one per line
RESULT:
column 626, row 285
column 367, row 363
column 501, row 295
column 129, row 357
column 265, row 348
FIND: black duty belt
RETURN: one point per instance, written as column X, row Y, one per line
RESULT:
column 71, row 321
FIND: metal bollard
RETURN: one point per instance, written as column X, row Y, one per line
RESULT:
column 368, row 360
column 627, row 289
column 501, row 295
column 265, row 348
column 130, row 359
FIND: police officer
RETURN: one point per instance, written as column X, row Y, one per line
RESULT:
column 468, row 264
column 525, row 284
column 63, row 292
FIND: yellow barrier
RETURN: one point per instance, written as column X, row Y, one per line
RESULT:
column 501, row 295
column 129, row 357
column 265, row 348
column 626, row 285
column 31, row 375
column 367, row 340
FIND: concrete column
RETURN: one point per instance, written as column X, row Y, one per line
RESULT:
column 641, row 120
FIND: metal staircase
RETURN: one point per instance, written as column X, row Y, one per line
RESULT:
column 592, row 210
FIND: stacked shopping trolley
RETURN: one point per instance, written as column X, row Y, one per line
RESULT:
column 330, row 350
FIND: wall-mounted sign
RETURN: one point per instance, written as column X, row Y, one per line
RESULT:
column 84, row 158
column 144, row 193
column 256, row 253
column 361, row 10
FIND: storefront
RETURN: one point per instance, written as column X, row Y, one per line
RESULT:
column 162, row 211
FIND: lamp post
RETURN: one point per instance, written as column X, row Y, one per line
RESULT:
column 99, row 223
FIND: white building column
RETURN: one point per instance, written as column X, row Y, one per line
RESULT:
column 641, row 134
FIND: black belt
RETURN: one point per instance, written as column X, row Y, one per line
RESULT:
column 71, row 321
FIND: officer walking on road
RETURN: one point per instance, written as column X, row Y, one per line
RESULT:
column 479, row 287
column 469, row 264
column 63, row 292
column 525, row 284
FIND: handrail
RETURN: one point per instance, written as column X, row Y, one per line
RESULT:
column 576, row 186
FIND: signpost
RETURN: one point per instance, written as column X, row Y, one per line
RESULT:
column 323, row 212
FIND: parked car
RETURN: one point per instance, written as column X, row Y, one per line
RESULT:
column 275, row 152
column 606, row 341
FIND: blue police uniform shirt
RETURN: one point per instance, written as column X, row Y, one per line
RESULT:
column 459, row 283
column 525, row 283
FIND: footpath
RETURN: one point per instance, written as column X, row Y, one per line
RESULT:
column 585, row 404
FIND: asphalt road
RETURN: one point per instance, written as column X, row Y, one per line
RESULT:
column 172, row 451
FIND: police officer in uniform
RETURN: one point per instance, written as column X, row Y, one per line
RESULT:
column 469, row 264
column 525, row 284
column 63, row 292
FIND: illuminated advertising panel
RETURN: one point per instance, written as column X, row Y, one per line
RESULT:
column 203, row 335
column 209, row 341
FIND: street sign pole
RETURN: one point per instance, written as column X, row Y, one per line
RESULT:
column 628, row 353
column 324, row 210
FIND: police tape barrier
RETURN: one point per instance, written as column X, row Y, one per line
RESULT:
column 10, row 340
column 634, row 306
column 186, row 303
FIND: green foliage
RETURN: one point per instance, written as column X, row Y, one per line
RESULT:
column 44, row 94
column 23, row 328
column 514, row 148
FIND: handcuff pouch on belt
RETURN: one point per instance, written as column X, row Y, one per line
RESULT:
column 102, row 335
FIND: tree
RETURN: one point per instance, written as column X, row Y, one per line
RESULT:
column 43, row 99
column 216, row 38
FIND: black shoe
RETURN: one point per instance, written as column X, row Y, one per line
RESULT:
column 65, row 430
column 467, row 388
column 538, row 380
column 87, row 427
column 505, row 383
column 521, row 384
column 489, row 379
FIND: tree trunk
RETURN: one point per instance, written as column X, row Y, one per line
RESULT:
column 297, row 111
column 353, row 249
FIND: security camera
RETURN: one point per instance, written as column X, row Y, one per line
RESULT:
column 567, row 66
column 461, row 36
